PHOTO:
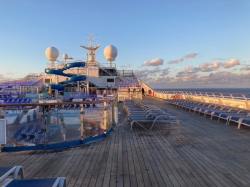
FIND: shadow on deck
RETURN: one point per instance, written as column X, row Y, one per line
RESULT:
column 202, row 152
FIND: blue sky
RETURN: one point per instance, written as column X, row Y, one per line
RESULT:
column 216, row 32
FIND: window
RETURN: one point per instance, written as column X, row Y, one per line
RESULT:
column 110, row 80
column 47, row 80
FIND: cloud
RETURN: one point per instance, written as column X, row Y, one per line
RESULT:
column 187, row 68
column 1, row 76
column 219, row 59
column 180, row 59
column 124, row 66
column 212, row 66
column 165, row 72
column 153, row 62
column 191, row 55
column 156, row 70
column 246, row 68
column 230, row 63
column 149, row 74
column 141, row 73
column 9, row 73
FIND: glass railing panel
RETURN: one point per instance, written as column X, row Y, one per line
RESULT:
column 93, row 121
column 33, row 125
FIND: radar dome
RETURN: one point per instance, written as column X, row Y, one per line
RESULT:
column 110, row 53
column 51, row 53
column 64, row 56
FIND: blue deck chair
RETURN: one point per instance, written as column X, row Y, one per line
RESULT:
column 244, row 121
column 29, row 138
column 39, row 138
column 46, row 182
column 238, row 118
column 18, row 132
column 153, row 120
column 50, row 132
column 6, row 172
column 231, row 116
column 29, row 129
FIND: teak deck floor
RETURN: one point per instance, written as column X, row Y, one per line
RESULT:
column 202, row 152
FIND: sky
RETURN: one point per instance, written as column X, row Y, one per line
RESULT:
column 168, row 44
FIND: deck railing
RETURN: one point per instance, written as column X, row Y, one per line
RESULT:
column 228, row 99
column 55, row 124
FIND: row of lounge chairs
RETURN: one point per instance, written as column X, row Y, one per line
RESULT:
column 142, row 113
column 32, row 133
column 17, row 100
column 18, row 172
column 230, row 114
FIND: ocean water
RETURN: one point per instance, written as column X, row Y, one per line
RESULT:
column 213, row 90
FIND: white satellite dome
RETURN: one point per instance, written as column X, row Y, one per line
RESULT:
column 110, row 53
column 51, row 53
column 64, row 56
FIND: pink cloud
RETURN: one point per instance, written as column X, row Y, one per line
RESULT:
column 212, row 66
column 191, row 55
column 230, row 63
column 153, row 62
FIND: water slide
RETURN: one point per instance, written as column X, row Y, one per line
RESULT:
column 71, row 77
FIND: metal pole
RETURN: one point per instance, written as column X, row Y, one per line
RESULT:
column 78, row 86
column 1, row 113
column 81, row 121
column 105, row 115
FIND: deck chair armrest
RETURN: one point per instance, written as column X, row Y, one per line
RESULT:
column 18, row 171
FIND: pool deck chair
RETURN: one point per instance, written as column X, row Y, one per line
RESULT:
column 152, row 121
column 49, row 182
column 5, row 172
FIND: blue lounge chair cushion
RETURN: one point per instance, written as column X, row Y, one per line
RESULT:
column 237, row 117
column 32, row 182
column 4, row 170
column 246, row 121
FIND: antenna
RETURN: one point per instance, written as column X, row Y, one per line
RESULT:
column 90, row 39
column 91, row 48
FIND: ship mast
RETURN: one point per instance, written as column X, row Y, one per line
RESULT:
column 91, row 48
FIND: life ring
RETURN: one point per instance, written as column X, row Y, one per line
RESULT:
column 176, row 96
column 54, row 120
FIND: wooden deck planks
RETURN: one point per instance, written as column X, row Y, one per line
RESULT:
column 202, row 152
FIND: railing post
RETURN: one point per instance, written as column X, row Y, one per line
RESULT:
column 1, row 113
column 114, row 110
column 81, row 121
column 105, row 115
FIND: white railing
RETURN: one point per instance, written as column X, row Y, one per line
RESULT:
column 227, row 99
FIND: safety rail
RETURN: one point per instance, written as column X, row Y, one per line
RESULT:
column 237, row 100
column 57, row 124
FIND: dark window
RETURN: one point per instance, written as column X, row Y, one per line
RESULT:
column 47, row 80
column 110, row 80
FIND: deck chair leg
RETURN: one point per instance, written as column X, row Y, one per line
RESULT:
column 239, row 125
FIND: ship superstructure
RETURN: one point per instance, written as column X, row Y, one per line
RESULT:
column 87, row 75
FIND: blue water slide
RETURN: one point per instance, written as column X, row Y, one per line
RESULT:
column 57, row 87
column 71, row 77
column 74, row 79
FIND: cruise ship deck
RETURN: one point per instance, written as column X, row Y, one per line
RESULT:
column 202, row 152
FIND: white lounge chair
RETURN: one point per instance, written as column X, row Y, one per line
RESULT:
column 5, row 172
